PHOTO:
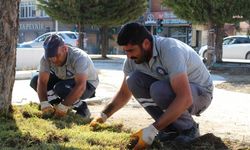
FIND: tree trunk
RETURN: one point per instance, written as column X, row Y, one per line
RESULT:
column 9, row 10
column 211, row 45
column 104, row 41
column 219, row 32
column 81, row 36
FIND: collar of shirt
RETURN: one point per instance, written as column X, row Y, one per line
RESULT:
column 68, row 55
column 155, row 52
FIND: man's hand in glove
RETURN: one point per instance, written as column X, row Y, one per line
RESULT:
column 145, row 137
column 99, row 119
column 46, row 108
column 61, row 110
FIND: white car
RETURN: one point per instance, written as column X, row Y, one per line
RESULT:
column 233, row 47
column 70, row 38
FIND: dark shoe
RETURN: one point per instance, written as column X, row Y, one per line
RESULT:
column 55, row 101
column 188, row 135
column 82, row 109
column 93, row 95
column 166, row 136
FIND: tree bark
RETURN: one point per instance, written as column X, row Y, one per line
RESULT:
column 104, row 41
column 9, row 10
column 81, row 36
column 210, row 44
column 219, row 32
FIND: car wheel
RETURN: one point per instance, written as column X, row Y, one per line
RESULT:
column 205, row 54
column 248, row 56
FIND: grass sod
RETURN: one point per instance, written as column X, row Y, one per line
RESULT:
column 26, row 128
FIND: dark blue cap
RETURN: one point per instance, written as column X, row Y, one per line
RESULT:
column 51, row 45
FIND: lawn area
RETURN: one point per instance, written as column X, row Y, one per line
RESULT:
column 26, row 128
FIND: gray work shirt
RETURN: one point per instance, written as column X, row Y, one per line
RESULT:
column 78, row 62
column 171, row 57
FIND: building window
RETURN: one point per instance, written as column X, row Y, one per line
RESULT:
column 27, row 9
column 43, row 14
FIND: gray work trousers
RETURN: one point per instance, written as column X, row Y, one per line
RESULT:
column 156, row 95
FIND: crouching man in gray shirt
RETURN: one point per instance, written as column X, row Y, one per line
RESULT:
column 168, row 79
column 66, row 77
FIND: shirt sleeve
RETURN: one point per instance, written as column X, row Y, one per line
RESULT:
column 44, row 65
column 81, row 65
column 175, row 60
column 127, row 67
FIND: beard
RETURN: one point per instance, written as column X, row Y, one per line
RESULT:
column 143, row 58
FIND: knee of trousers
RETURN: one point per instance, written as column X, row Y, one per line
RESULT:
column 162, row 94
column 61, row 89
column 133, row 81
column 33, row 82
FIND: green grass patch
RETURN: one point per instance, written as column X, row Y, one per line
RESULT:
column 26, row 128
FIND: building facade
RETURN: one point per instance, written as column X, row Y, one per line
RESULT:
column 34, row 21
column 162, row 21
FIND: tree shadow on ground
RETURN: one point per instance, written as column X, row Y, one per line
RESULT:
column 11, row 137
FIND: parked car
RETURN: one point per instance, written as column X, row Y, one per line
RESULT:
column 233, row 47
column 70, row 38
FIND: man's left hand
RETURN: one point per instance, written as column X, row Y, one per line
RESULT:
column 61, row 110
column 145, row 137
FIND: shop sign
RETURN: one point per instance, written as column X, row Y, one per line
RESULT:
column 32, row 26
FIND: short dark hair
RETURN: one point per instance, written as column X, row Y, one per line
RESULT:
column 133, row 33
column 51, row 45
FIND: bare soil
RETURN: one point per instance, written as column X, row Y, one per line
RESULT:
column 236, row 83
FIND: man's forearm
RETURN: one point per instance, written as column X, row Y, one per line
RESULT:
column 117, row 103
column 74, row 95
column 42, row 92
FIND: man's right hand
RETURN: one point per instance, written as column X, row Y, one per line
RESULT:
column 99, row 119
column 47, row 108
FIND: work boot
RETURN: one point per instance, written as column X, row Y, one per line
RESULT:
column 167, row 134
column 188, row 134
column 82, row 109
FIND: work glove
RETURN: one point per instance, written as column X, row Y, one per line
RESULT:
column 145, row 137
column 101, row 118
column 46, row 108
column 61, row 110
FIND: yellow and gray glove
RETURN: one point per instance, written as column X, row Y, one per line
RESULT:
column 47, row 108
column 145, row 137
column 61, row 110
column 101, row 118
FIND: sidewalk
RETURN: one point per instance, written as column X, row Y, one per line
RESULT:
column 114, row 59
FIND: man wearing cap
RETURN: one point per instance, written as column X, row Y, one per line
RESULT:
column 66, row 77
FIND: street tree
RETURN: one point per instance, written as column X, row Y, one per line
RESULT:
column 8, row 40
column 214, row 14
column 70, row 12
column 103, row 14
column 113, row 13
